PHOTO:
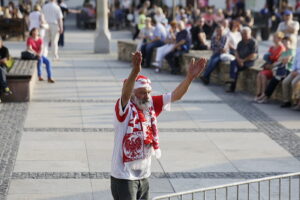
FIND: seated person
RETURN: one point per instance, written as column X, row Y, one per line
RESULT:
column 234, row 36
column 218, row 45
column 35, row 44
column 245, row 57
column 4, row 56
column 162, row 51
column 271, row 57
column 290, row 81
column 198, row 35
column 296, row 96
column 146, row 33
column 280, row 70
column 181, row 46
column 159, row 37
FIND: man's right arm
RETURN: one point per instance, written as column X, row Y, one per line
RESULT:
column 129, row 83
column 5, row 57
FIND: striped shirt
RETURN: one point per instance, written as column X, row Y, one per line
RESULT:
column 52, row 13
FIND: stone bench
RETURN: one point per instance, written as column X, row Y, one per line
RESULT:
column 246, row 81
column 21, row 79
column 12, row 27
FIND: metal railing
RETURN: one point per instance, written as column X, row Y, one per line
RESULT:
column 282, row 187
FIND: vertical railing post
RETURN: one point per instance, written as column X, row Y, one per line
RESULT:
column 215, row 194
column 279, row 188
column 290, row 188
column 258, row 190
column 269, row 189
column 227, row 190
column 248, row 191
column 237, row 192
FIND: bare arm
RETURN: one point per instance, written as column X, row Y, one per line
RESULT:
column 195, row 68
column 129, row 83
column 3, row 60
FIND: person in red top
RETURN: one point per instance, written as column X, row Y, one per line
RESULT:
column 271, row 57
column 136, row 133
column 35, row 45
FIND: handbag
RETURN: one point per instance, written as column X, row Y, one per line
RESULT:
column 44, row 26
column 26, row 55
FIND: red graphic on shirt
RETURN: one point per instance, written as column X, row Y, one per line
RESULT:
column 133, row 146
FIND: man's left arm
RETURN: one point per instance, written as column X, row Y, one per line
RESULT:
column 195, row 69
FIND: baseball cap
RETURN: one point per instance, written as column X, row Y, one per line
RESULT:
column 287, row 12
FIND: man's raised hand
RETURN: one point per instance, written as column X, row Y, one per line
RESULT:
column 136, row 61
column 196, row 67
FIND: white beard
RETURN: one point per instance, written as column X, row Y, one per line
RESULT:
column 141, row 104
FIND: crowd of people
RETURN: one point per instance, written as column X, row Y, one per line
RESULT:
column 230, row 38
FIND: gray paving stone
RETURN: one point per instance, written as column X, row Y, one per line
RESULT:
column 12, row 117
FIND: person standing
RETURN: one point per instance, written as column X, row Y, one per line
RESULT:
column 37, row 20
column 65, row 10
column 53, row 16
column 289, row 27
column 136, row 133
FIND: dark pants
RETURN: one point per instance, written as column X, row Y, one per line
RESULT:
column 212, row 64
column 235, row 69
column 136, row 33
column 129, row 190
column 61, row 40
column 173, row 60
column 271, row 87
column 3, row 83
column 147, row 51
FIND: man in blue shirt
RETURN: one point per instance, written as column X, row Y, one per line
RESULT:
column 182, row 46
column 159, row 35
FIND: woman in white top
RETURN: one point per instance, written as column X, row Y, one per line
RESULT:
column 37, row 20
column 233, row 38
column 162, row 51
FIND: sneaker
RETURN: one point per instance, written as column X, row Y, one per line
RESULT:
column 296, row 108
column 155, row 64
column 157, row 70
column 286, row 105
column 265, row 99
column 7, row 91
column 259, row 97
column 204, row 80
column 50, row 80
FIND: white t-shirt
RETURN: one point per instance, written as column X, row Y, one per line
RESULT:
column 52, row 13
column 283, row 27
column 233, row 38
column 121, row 119
column 35, row 20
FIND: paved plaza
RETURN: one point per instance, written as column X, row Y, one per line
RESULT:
column 59, row 145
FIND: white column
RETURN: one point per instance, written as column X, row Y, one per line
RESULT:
column 102, row 37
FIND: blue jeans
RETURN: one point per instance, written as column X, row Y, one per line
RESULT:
column 41, row 61
column 173, row 60
column 235, row 68
column 3, row 83
column 147, row 50
column 212, row 64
